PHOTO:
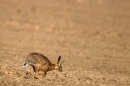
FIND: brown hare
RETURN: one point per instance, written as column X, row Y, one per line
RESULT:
column 40, row 62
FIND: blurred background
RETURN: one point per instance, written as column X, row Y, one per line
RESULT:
column 90, row 35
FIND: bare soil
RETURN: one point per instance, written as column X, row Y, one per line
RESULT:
column 92, row 36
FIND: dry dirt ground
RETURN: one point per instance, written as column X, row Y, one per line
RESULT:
column 92, row 36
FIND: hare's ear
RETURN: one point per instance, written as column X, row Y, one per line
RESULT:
column 58, row 59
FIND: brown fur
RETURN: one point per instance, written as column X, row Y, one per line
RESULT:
column 40, row 62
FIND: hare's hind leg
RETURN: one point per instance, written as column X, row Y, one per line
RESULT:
column 36, row 75
column 35, row 72
column 44, row 74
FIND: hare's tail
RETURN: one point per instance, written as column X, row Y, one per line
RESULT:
column 25, row 64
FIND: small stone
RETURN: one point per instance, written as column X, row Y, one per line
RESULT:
column 11, row 73
column 88, row 80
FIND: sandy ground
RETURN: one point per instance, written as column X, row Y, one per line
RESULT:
column 92, row 36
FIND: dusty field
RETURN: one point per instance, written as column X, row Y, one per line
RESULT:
column 92, row 36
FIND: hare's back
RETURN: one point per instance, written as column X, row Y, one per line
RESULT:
column 35, row 58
